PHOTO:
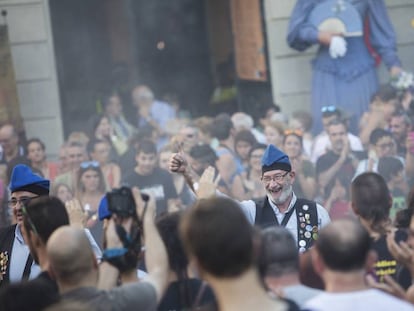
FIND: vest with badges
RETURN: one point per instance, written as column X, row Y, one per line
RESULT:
column 6, row 246
column 306, row 215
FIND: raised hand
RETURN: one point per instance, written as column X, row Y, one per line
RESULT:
column 77, row 215
column 144, row 208
column 207, row 185
column 178, row 163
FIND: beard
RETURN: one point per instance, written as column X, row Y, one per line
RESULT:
column 284, row 195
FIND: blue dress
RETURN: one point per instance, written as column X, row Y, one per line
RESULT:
column 350, row 81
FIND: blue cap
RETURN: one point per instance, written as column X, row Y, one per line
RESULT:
column 275, row 159
column 23, row 179
column 103, row 210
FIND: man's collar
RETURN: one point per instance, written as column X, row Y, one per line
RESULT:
column 18, row 234
column 291, row 204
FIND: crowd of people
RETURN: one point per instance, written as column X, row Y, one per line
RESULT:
column 276, row 176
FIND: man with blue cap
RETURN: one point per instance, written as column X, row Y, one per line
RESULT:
column 16, row 263
column 303, row 218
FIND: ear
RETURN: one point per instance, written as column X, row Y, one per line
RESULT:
column 292, row 175
column 371, row 259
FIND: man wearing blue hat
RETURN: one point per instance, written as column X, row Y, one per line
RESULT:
column 303, row 218
column 16, row 263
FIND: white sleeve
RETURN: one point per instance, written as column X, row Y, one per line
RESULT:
column 355, row 142
column 249, row 209
column 361, row 168
column 248, row 206
column 323, row 216
column 96, row 250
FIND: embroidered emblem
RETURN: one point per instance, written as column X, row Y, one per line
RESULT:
column 4, row 259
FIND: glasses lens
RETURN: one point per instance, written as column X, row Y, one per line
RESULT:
column 328, row 108
column 12, row 203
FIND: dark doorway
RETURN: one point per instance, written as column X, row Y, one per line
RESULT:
column 82, row 56
column 172, row 52
column 176, row 47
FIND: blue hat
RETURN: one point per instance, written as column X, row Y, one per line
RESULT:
column 275, row 159
column 103, row 210
column 23, row 179
column 337, row 16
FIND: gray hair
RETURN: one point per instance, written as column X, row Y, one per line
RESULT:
column 279, row 254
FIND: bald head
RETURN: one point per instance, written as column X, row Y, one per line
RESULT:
column 344, row 245
column 71, row 256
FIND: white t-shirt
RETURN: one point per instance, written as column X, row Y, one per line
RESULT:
column 364, row 300
column 322, row 143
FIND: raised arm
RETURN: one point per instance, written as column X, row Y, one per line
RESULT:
column 156, row 257
column 301, row 34
column 382, row 35
column 179, row 165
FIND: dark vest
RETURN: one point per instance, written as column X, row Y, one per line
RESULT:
column 6, row 246
column 306, row 215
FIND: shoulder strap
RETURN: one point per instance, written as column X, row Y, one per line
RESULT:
column 200, row 294
column 6, row 246
column 307, row 223
column 259, row 208
column 27, row 268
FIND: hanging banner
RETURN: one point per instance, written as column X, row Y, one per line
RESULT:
column 249, row 46
column 9, row 104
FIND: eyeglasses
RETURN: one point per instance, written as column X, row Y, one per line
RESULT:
column 88, row 164
column 293, row 132
column 29, row 220
column 22, row 201
column 276, row 178
column 328, row 109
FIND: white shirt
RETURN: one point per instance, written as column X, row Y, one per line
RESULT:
column 19, row 254
column 363, row 300
column 322, row 143
column 249, row 209
column 363, row 166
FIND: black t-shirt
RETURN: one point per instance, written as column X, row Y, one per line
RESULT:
column 182, row 295
column 159, row 183
column 387, row 265
column 36, row 294
column 327, row 160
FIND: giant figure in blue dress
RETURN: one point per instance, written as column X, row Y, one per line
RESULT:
column 349, row 81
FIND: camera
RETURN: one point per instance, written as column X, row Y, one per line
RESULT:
column 121, row 202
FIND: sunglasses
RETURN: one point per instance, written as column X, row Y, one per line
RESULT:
column 328, row 109
column 88, row 164
column 293, row 132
